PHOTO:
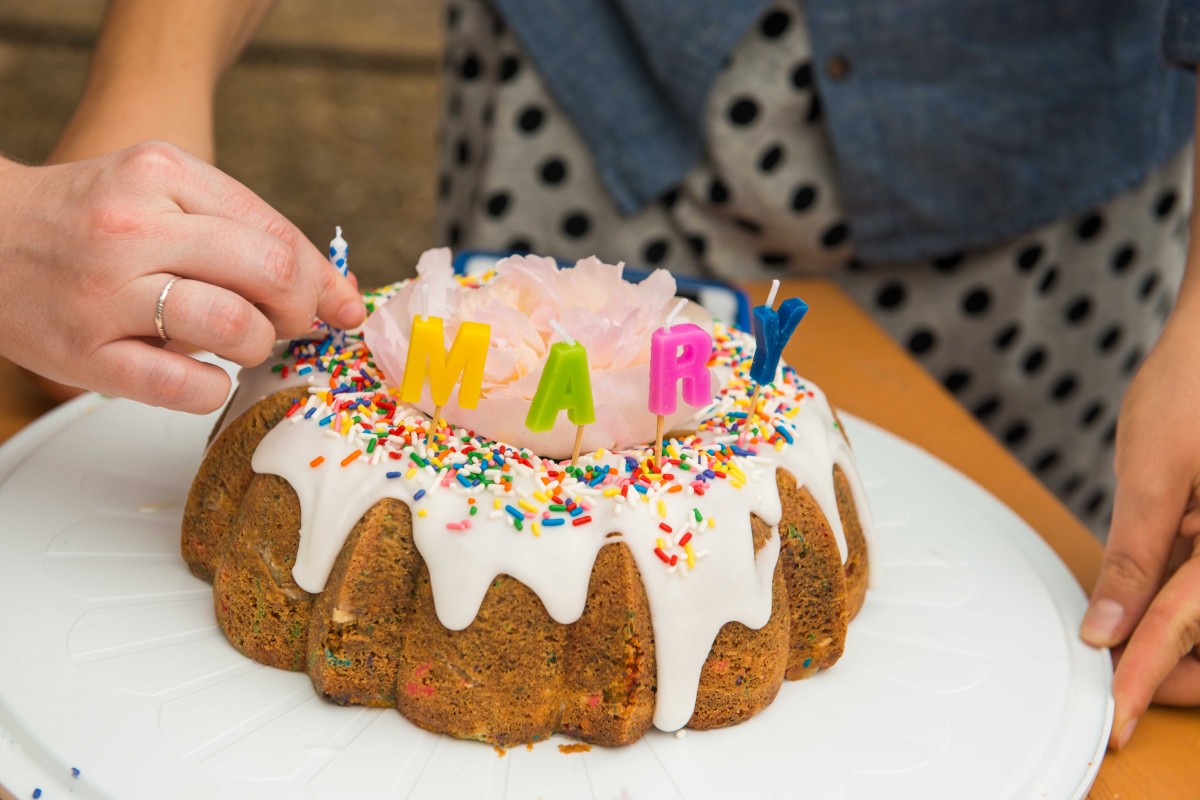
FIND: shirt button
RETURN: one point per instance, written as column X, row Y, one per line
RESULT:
column 837, row 67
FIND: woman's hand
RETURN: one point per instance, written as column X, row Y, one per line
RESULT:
column 88, row 247
column 1148, row 594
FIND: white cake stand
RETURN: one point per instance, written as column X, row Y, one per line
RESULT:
column 962, row 677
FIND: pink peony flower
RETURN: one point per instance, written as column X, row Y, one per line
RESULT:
column 610, row 317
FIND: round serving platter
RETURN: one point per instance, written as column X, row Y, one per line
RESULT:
column 962, row 677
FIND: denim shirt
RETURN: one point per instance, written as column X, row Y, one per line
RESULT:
column 955, row 123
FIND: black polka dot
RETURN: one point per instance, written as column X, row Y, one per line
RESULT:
column 454, row 234
column 948, row 263
column 835, row 235
column 1110, row 433
column 804, row 197
column 1089, row 227
column 802, row 75
column 1007, row 335
column 576, row 224
column 1165, row 203
column 718, row 192
column 1078, row 310
column 890, row 296
column 774, row 24
column 520, row 245
column 956, row 380
column 921, row 341
column 748, row 225
column 509, row 67
column 986, row 408
column 497, row 204
column 814, row 111
column 452, row 15
column 855, row 265
column 771, row 158
column 976, row 301
column 1132, row 360
column 488, row 115
column 1071, row 485
column 774, row 260
column 553, row 171
column 698, row 243
column 1122, row 258
column 1034, row 361
column 498, row 26
column 454, row 106
column 1147, row 285
column 469, row 69
column 1091, row 414
column 1064, row 388
column 1047, row 461
column 656, row 251
column 1016, row 433
column 669, row 199
column 1095, row 501
column 1049, row 281
column 1109, row 338
column 530, row 119
column 743, row 111
column 1029, row 257
column 444, row 185
column 462, row 152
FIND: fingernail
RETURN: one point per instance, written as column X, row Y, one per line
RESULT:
column 351, row 314
column 1126, row 733
column 1101, row 621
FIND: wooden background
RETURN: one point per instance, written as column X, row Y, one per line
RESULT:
column 332, row 116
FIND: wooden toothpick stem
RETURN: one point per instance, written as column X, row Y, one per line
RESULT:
column 754, row 400
column 658, row 445
column 578, row 441
column 433, row 423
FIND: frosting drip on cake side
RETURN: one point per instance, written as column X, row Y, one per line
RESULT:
column 716, row 485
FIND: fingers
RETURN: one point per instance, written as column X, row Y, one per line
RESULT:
column 1167, row 633
column 198, row 188
column 1145, row 517
column 253, row 264
column 1182, row 686
column 217, row 320
column 158, row 377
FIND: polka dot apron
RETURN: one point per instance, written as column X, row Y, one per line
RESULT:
column 1038, row 336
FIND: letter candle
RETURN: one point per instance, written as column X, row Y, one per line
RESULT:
column 427, row 357
column 677, row 353
column 772, row 330
column 565, row 384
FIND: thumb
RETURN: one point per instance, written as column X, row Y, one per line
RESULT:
column 1146, row 515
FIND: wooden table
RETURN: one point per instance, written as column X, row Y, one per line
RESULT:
column 868, row 375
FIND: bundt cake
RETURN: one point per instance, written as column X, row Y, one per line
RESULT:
column 491, row 593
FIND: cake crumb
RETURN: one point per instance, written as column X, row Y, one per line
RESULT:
column 682, row 732
column 500, row 751
column 574, row 748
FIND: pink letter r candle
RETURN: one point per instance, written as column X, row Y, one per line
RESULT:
column 679, row 353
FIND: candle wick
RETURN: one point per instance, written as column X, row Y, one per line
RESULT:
column 424, row 301
column 675, row 312
column 338, row 230
column 771, row 296
column 561, row 331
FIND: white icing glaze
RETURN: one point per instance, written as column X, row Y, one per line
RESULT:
column 688, row 607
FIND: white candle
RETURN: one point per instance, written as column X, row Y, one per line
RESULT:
column 339, row 252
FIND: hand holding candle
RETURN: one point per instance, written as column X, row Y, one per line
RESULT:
column 565, row 384
column 677, row 353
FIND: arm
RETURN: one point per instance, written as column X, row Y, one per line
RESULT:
column 154, row 73
column 1146, row 603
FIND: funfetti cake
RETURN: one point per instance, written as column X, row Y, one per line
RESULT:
column 476, row 580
